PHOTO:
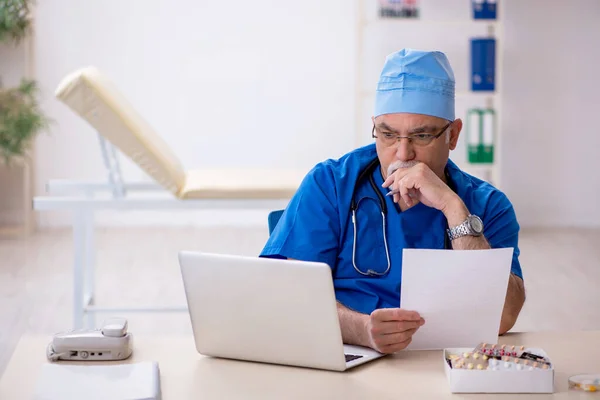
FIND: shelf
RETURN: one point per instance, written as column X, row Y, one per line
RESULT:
column 431, row 21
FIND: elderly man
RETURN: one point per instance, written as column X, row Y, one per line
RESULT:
column 358, row 212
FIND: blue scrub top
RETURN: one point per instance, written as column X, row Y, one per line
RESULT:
column 317, row 226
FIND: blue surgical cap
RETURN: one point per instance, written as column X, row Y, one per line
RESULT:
column 415, row 81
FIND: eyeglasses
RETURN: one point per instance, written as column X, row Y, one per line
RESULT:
column 418, row 139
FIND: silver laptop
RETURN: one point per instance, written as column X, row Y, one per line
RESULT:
column 266, row 310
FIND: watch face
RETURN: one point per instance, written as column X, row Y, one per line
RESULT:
column 476, row 224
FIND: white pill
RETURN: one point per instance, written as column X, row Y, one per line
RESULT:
column 506, row 365
column 519, row 367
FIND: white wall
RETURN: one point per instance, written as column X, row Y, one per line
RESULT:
column 551, row 106
column 202, row 71
column 274, row 79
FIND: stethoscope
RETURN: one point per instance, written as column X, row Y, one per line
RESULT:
column 368, row 171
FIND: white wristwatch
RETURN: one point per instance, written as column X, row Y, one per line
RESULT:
column 472, row 226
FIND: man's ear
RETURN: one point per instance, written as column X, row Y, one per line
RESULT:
column 455, row 133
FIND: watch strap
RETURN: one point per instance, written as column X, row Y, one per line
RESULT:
column 459, row 231
column 463, row 229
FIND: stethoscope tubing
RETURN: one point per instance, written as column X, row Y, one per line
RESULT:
column 383, row 207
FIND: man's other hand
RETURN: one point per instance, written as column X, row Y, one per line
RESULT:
column 391, row 329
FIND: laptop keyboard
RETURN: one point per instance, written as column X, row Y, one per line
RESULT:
column 350, row 357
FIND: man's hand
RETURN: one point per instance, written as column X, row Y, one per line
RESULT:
column 391, row 329
column 420, row 184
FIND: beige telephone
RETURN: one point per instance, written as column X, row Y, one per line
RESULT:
column 109, row 343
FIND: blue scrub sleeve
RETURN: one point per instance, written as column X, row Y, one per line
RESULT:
column 309, row 228
column 502, row 229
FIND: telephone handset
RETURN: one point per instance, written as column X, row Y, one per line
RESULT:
column 109, row 343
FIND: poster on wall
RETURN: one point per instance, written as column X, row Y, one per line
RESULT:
column 398, row 9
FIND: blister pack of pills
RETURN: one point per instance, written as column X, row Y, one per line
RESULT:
column 495, row 357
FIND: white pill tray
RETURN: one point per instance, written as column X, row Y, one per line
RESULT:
column 503, row 380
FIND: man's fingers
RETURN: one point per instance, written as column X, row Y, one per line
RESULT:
column 394, row 338
column 394, row 176
column 395, row 314
column 407, row 188
column 404, row 192
column 407, row 200
column 395, row 347
column 393, row 327
column 389, row 180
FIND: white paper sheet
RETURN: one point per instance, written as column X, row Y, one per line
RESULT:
column 459, row 293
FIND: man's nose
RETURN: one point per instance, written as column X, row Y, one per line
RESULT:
column 404, row 149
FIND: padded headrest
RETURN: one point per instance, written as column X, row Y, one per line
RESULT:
column 96, row 99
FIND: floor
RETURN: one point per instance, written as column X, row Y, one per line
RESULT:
column 138, row 266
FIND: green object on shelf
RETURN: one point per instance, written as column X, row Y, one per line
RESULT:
column 481, row 135
column 474, row 135
column 488, row 124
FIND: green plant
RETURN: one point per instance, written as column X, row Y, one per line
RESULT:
column 20, row 119
column 20, row 116
column 14, row 20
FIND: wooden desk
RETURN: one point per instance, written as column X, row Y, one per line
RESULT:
column 411, row 375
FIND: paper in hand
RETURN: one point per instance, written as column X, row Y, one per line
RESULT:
column 459, row 293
